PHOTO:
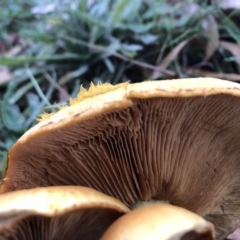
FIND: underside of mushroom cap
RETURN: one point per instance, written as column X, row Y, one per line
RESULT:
column 57, row 213
column 160, row 221
column 175, row 140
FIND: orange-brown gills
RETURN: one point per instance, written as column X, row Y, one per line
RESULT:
column 173, row 140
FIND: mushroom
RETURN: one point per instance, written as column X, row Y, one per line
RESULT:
column 160, row 221
column 57, row 213
column 173, row 140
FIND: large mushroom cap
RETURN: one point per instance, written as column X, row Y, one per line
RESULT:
column 176, row 140
column 160, row 221
column 57, row 213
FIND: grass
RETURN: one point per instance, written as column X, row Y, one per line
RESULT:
column 48, row 56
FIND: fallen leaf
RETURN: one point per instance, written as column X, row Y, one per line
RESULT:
column 14, row 51
column 5, row 75
column 170, row 57
column 173, row 54
column 211, row 27
column 202, row 73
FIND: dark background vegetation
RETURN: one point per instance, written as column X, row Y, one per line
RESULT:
column 48, row 49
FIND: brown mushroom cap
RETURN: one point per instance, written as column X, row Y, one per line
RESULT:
column 61, row 213
column 160, row 221
column 175, row 140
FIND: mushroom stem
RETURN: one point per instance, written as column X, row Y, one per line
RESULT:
column 139, row 204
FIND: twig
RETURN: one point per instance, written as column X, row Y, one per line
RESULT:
column 118, row 55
